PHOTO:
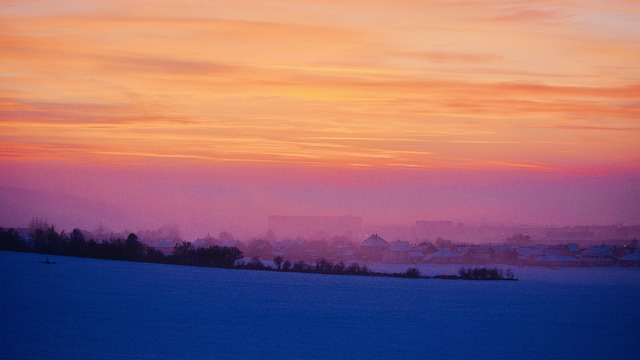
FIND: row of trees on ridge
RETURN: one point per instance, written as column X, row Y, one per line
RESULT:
column 47, row 240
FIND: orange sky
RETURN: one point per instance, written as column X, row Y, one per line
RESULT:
column 546, row 85
column 542, row 84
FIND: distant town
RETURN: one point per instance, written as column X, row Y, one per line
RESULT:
column 346, row 239
column 445, row 242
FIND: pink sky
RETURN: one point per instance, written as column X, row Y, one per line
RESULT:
column 214, row 114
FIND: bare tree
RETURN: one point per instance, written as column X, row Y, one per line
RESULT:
column 277, row 261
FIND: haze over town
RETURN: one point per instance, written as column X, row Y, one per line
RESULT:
column 201, row 199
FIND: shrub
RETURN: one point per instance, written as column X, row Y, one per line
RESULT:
column 411, row 273
column 485, row 274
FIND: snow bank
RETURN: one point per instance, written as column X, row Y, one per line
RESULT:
column 97, row 309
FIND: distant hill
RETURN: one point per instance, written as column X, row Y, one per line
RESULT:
column 19, row 205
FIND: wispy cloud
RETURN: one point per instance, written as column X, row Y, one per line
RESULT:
column 454, row 84
column 530, row 14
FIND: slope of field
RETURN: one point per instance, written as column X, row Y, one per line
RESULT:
column 97, row 309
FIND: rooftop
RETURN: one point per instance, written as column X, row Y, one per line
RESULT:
column 375, row 241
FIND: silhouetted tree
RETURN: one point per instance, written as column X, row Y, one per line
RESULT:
column 300, row 266
column 286, row 265
column 220, row 256
column 181, row 252
column 277, row 261
column 10, row 240
column 484, row 274
column 323, row 266
column 411, row 273
column 133, row 248
column 39, row 237
column 153, row 255
column 76, row 245
column 232, row 255
column 509, row 275
column 48, row 240
column 354, row 268
column 256, row 264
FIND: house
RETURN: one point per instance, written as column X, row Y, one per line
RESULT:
column 289, row 249
column 503, row 254
column 416, row 257
column 260, row 248
column 600, row 255
column 398, row 252
column 232, row 243
column 555, row 260
column 426, row 248
column 315, row 250
column 528, row 255
column 204, row 242
column 561, row 255
column 563, row 249
column 630, row 260
column 342, row 250
column 373, row 248
column 473, row 254
column 463, row 249
column 573, row 249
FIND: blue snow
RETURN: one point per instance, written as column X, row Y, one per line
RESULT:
column 98, row 309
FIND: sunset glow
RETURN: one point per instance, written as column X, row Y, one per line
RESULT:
column 417, row 84
column 547, row 86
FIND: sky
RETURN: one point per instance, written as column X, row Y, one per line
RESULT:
column 212, row 115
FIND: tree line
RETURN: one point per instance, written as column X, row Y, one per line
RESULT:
column 323, row 266
column 47, row 240
column 481, row 274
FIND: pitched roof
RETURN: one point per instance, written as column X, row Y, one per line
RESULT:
column 230, row 243
column 599, row 250
column 375, row 241
column 426, row 246
column 635, row 256
column 400, row 246
column 573, row 247
column 530, row 251
column 203, row 243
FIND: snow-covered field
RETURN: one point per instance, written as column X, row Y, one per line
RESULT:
column 97, row 309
